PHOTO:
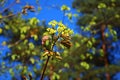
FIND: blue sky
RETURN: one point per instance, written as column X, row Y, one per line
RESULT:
column 50, row 10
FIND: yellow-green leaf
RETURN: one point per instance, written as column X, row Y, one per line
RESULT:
column 32, row 60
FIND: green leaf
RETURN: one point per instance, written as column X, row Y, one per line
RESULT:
column 34, row 21
column 55, row 76
column 117, row 16
column 102, row 5
column 47, row 43
column 64, row 8
column 77, row 44
column 69, row 15
column 7, row 27
column 113, row 0
column 11, row 71
column 24, row 71
column 39, row 9
column 22, row 36
column 32, row 60
column 28, row 52
column 114, row 32
column 24, row 29
column 93, row 50
column 13, row 57
column 25, row 41
column 93, row 40
column 34, row 69
column 85, row 65
column 1, row 30
column 89, row 44
column 34, row 53
column 35, row 37
column 19, row 67
column 106, row 35
column 19, row 47
column 31, row 45
column 0, row 16
column 101, row 52
column 82, row 57
column 66, row 65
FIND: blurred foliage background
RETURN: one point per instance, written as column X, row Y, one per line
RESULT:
column 93, row 55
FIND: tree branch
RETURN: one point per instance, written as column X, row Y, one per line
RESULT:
column 12, row 4
column 10, row 15
column 45, row 68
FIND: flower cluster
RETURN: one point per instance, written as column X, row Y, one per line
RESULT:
column 58, row 33
column 51, row 30
column 53, row 23
column 68, row 32
column 64, row 8
column 61, row 28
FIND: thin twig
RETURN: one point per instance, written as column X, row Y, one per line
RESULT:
column 30, row 76
column 12, row 4
column 24, row 78
column 10, row 15
column 19, row 41
column 45, row 68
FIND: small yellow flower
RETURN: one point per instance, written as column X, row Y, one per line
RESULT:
column 64, row 7
column 60, row 29
column 67, row 34
column 60, row 24
column 51, row 30
column 53, row 23
column 71, row 32
column 48, row 29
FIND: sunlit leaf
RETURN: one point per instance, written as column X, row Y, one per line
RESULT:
column 32, row 60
